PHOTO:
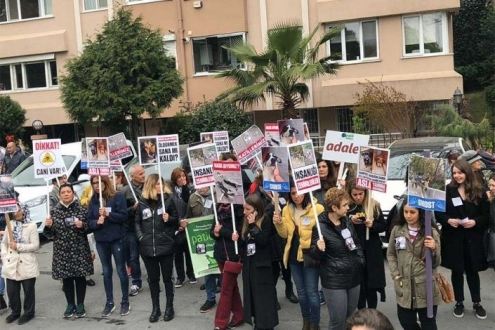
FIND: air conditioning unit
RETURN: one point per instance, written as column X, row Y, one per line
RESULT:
column 198, row 4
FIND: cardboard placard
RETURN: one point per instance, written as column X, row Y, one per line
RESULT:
column 426, row 183
column 248, row 144
column 272, row 135
column 118, row 147
column 98, row 154
column 304, row 168
column 148, row 153
column 168, row 148
column 291, row 131
column 201, row 159
column 228, row 182
column 373, row 168
column 343, row 147
column 8, row 201
column 219, row 138
column 47, row 159
column 275, row 162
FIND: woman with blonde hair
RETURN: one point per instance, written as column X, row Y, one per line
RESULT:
column 106, row 218
column 367, row 217
column 260, row 297
column 156, row 224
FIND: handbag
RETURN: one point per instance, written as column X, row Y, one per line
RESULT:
column 490, row 247
column 446, row 290
column 233, row 267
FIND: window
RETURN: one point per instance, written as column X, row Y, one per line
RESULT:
column 95, row 4
column 13, row 10
column 425, row 34
column 170, row 46
column 357, row 41
column 211, row 56
column 28, row 75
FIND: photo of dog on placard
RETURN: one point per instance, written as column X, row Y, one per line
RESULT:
column 379, row 165
column 366, row 160
column 291, row 131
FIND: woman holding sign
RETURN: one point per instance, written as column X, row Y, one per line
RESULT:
column 295, row 225
column 405, row 255
column 367, row 218
column 260, row 297
column 341, row 258
column 463, row 226
column 155, row 228
column 72, row 260
column 107, row 215
column 20, row 266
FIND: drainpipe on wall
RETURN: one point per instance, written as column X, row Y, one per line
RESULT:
column 180, row 40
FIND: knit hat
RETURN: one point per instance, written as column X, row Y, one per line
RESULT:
column 470, row 156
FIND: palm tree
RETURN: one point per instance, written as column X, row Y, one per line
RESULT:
column 280, row 70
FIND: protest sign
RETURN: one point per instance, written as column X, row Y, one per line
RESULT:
column 272, row 135
column 291, row 131
column 373, row 168
column 275, row 162
column 304, row 168
column 228, row 182
column 99, row 171
column 248, row 144
column 168, row 148
column 47, row 159
column 343, row 147
column 147, row 150
column 7, row 194
column 84, row 155
column 98, row 153
column 201, row 246
column 219, row 138
column 118, row 147
column 201, row 159
column 426, row 183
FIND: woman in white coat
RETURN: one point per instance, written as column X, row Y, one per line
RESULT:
column 20, row 267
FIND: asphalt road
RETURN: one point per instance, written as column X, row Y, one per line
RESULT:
column 50, row 305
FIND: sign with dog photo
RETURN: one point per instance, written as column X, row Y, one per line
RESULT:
column 248, row 144
column 373, row 168
column 304, row 168
column 291, row 131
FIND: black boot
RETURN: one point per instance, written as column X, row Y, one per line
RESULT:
column 155, row 314
column 3, row 304
column 169, row 313
column 305, row 324
column 289, row 293
column 155, row 300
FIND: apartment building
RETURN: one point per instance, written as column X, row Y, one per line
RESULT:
column 407, row 44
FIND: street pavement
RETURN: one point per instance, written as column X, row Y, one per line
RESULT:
column 50, row 305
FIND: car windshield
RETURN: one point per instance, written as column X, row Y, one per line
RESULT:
column 24, row 174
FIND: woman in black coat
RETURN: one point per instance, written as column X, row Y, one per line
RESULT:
column 155, row 230
column 260, row 297
column 374, row 223
column 463, row 226
column 341, row 256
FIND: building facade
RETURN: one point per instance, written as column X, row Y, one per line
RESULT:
column 406, row 44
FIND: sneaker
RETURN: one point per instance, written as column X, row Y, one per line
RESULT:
column 108, row 310
column 480, row 311
column 69, row 311
column 125, row 309
column 80, row 311
column 209, row 304
column 459, row 310
column 322, row 298
column 179, row 283
column 193, row 280
column 134, row 290
column 90, row 282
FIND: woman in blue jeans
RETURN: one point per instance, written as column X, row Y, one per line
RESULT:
column 107, row 221
column 295, row 225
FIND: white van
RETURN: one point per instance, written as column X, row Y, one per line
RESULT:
column 33, row 192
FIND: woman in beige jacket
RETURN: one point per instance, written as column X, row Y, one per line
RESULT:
column 20, row 267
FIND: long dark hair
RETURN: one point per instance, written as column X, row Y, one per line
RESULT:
column 402, row 220
column 256, row 202
column 331, row 178
column 472, row 187
column 306, row 201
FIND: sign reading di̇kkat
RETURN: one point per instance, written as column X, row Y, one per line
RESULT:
column 47, row 158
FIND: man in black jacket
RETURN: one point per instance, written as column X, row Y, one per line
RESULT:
column 13, row 158
column 132, row 244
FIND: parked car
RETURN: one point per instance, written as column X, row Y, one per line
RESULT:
column 33, row 192
column 400, row 153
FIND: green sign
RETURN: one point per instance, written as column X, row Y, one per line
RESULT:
column 201, row 245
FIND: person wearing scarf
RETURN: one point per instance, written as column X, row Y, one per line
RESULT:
column 20, row 266
column 72, row 260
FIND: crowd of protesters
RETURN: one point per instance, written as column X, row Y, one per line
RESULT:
column 145, row 219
